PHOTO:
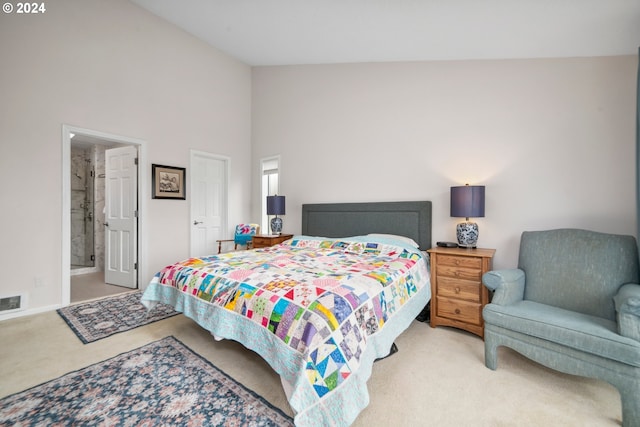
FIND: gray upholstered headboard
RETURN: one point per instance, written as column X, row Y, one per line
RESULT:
column 410, row 219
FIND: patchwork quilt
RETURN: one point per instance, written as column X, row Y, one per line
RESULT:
column 319, row 311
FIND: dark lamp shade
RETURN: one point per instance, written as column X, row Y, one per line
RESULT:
column 275, row 205
column 467, row 201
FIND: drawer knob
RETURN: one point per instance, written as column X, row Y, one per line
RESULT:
column 457, row 262
column 457, row 290
column 457, row 311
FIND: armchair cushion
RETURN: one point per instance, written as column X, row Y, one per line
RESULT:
column 582, row 332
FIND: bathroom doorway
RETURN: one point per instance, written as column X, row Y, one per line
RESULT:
column 84, row 197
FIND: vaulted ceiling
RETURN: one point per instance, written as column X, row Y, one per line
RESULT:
column 282, row 32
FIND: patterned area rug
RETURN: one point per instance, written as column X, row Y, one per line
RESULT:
column 99, row 319
column 163, row 383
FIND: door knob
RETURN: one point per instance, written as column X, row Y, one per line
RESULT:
column 196, row 222
column 106, row 224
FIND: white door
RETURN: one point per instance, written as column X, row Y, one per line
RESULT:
column 208, row 202
column 121, row 201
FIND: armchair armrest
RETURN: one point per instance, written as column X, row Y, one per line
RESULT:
column 508, row 285
column 627, row 303
column 219, row 242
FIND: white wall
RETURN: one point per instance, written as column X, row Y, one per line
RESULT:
column 112, row 67
column 552, row 140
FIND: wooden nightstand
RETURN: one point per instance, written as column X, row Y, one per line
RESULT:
column 266, row 240
column 457, row 292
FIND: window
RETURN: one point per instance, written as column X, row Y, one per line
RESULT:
column 270, row 168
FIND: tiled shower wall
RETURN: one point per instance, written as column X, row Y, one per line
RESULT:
column 87, row 208
column 81, row 207
column 99, row 197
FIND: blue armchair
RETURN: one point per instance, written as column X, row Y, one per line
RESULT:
column 242, row 236
column 573, row 305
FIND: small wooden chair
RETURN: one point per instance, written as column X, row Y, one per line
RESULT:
column 242, row 236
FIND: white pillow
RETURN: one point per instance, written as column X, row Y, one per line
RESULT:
column 403, row 239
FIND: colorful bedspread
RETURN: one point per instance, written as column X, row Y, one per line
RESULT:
column 319, row 311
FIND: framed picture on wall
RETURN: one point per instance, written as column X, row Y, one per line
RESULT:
column 168, row 182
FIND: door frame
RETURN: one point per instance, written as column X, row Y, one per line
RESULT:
column 227, row 165
column 143, row 195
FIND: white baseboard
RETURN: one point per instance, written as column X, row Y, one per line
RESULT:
column 28, row 312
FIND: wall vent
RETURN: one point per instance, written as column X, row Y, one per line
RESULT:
column 12, row 303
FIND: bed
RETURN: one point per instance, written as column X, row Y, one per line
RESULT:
column 320, row 308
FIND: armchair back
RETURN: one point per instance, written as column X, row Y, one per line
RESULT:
column 577, row 270
column 244, row 233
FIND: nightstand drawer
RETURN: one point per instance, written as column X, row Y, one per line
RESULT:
column 462, row 289
column 460, row 273
column 457, row 293
column 262, row 242
column 459, row 310
column 266, row 240
column 459, row 261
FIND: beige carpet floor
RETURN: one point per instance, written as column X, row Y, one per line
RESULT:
column 438, row 377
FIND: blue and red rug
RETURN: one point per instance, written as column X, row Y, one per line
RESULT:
column 160, row 384
column 102, row 318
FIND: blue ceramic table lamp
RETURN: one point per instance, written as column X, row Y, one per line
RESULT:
column 275, row 206
column 467, row 201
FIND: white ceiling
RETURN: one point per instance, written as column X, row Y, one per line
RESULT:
column 283, row 32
